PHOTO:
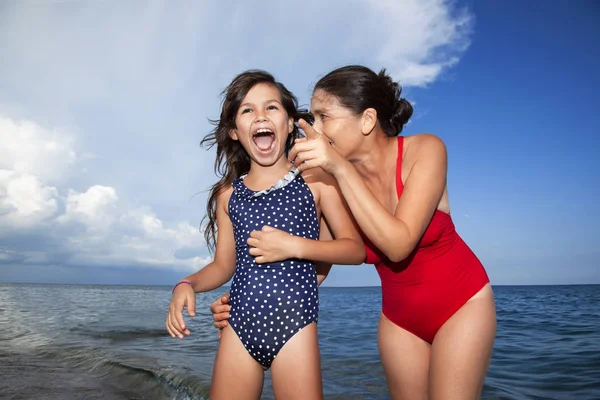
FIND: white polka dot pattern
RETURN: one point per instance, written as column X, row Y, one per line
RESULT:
column 271, row 302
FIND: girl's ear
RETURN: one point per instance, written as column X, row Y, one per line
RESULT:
column 233, row 134
column 290, row 125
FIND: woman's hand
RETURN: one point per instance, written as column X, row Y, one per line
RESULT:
column 271, row 245
column 220, row 310
column 315, row 151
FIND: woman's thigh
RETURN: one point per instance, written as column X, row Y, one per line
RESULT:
column 405, row 359
column 462, row 349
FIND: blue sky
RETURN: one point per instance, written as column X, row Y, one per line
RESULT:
column 102, row 109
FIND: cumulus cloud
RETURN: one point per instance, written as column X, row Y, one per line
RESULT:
column 79, row 228
column 85, row 51
column 24, row 201
column 131, row 85
column 30, row 158
column 425, row 38
column 30, row 150
column 140, row 79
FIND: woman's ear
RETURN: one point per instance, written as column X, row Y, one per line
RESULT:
column 369, row 121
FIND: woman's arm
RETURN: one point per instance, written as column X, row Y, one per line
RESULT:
column 397, row 234
column 322, row 272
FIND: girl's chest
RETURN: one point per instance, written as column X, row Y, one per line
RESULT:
column 294, row 214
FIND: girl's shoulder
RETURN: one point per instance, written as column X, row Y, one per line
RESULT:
column 320, row 183
column 224, row 196
column 318, row 177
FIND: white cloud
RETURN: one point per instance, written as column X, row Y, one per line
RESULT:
column 423, row 37
column 140, row 79
column 87, row 228
column 94, row 208
column 24, row 201
column 29, row 149
column 87, row 51
column 132, row 85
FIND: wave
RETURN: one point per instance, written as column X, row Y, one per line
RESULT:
column 143, row 374
column 121, row 334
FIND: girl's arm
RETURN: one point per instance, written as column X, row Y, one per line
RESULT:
column 221, row 270
column 346, row 247
column 323, row 268
column 208, row 278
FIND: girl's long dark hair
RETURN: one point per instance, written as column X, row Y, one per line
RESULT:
column 232, row 160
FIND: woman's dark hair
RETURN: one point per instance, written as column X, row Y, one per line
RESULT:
column 359, row 88
column 232, row 160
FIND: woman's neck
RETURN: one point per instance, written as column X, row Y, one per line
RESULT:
column 377, row 158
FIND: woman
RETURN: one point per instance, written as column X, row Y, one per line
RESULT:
column 438, row 320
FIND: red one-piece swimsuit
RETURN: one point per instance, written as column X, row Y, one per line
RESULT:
column 420, row 293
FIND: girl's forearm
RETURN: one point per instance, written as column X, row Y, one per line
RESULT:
column 339, row 251
column 210, row 277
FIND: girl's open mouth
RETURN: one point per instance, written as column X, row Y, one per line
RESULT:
column 264, row 139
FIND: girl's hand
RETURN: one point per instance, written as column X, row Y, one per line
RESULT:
column 183, row 296
column 271, row 245
column 315, row 151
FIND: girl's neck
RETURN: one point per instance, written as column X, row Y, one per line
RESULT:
column 262, row 177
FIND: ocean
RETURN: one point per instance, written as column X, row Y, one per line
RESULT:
column 109, row 342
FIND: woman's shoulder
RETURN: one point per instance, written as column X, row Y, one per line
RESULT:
column 423, row 145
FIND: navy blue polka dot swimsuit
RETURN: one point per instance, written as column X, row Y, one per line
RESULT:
column 271, row 302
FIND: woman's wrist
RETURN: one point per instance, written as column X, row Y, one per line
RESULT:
column 341, row 169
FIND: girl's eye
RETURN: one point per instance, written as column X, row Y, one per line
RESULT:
column 272, row 107
column 246, row 110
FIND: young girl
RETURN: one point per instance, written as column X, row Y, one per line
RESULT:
column 274, row 305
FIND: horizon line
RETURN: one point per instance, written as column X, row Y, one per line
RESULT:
column 228, row 286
